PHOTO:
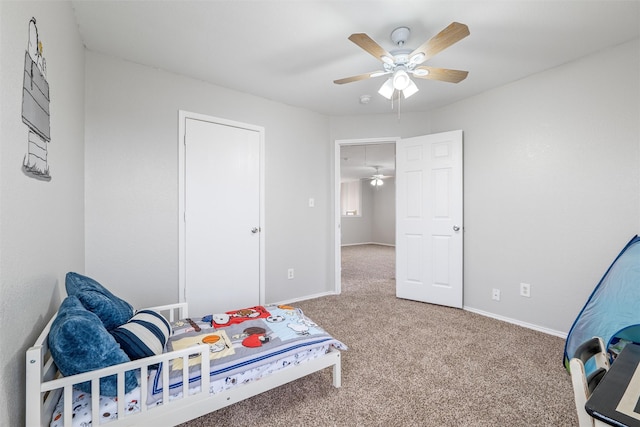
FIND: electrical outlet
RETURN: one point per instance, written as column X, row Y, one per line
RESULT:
column 290, row 273
column 525, row 290
column 312, row 202
column 495, row 294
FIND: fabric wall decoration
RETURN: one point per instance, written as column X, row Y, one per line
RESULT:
column 35, row 107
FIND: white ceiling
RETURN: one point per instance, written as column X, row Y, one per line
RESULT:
column 363, row 161
column 291, row 51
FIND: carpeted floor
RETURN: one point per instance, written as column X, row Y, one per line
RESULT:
column 414, row 364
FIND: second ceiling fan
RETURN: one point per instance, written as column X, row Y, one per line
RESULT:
column 402, row 62
column 377, row 178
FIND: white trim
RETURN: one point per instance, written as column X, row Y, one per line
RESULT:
column 304, row 298
column 182, row 116
column 337, row 217
column 517, row 322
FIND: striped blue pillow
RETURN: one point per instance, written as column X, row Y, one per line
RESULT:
column 144, row 335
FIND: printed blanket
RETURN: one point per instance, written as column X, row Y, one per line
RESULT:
column 281, row 335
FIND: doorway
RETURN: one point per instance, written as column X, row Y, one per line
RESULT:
column 429, row 223
column 357, row 161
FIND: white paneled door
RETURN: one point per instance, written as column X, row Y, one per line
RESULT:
column 429, row 218
column 222, row 221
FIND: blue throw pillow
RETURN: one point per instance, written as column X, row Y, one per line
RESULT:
column 144, row 335
column 80, row 343
column 112, row 310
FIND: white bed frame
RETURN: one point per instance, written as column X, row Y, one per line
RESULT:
column 45, row 384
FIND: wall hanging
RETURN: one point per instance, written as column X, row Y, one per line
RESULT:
column 35, row 107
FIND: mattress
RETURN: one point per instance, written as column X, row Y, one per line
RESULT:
column 245, row 346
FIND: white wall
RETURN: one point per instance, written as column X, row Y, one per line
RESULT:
column 358, row 229
column 375, row 126
column 384, row 206
column 552, row 188
column 377, row 222
column 132, row 176
column 551, row 182
column 41, row 223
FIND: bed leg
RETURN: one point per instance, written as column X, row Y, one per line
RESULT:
column 337, row 372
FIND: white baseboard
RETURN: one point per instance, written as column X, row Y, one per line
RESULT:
column 304, row 298
column 527, row 325
column 518, row 322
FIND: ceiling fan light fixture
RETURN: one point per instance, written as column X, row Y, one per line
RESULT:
column 418, row 58
column 410, row 90
column 377, row 182
column 387, row 59
column 387, row 88
column 420, row 72
column 401, row 79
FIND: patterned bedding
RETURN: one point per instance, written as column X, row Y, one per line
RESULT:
column 242, row 339
column 245, row 345
column 82, row 408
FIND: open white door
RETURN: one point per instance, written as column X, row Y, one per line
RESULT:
column 429, row 218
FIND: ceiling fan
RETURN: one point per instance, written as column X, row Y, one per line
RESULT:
column 402, row 62
column 377, row 178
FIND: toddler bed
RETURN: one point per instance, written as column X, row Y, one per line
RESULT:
column 161, row 367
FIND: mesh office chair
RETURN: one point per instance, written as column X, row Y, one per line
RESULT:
column 592, row 354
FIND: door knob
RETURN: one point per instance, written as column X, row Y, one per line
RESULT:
column 456, row 228
column 254, row 230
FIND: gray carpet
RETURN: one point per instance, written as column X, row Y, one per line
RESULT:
column 414, row 364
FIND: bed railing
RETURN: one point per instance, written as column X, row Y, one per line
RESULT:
column 45, row 384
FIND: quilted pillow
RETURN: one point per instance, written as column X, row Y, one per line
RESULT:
column 144, row 335
column 112, row 310
column 80, row 343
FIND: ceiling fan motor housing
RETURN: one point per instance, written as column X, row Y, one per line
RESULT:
column 400, row 35
column 401, row 58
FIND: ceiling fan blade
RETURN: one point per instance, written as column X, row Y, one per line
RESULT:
column 359, row 77
column 445, row 38
column 367, row 43
column 442, row 74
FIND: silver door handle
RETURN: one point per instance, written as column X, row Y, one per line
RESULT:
column 456, row 228
column 254, row 230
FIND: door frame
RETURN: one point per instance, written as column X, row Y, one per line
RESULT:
column 337, row 217
column 182, row 117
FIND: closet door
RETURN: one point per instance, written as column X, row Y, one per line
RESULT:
column 222, row 220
